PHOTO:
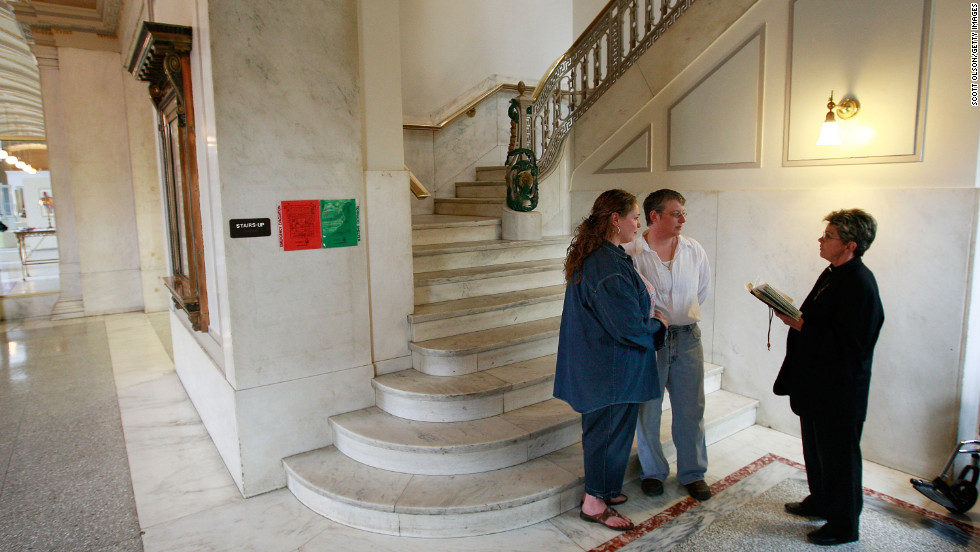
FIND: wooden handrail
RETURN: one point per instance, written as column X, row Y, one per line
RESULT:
column 465, row 109
column 418, row 189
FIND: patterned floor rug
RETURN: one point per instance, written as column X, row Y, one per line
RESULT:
column 746, row 513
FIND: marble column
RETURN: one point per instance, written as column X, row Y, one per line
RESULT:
column 56, row 134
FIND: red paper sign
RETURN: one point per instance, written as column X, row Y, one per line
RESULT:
column 300, row 225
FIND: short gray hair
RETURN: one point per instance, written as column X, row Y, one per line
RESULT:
column 854, row 225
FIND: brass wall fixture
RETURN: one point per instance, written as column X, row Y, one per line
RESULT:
column 845, row 109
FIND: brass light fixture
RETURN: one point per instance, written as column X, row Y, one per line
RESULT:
column 829, row 131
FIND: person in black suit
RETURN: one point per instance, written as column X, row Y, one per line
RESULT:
column 827, row 372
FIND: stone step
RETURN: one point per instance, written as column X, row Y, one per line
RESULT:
column 413, row 395
column 477, row 351
column 430, row 229
column 443, row 506
column 482, row 189
column 459, row 283
column 64, row 310
column 446, row 318
column 485, row 207
column 495, row 173
column 448, row 256
column 378, row 439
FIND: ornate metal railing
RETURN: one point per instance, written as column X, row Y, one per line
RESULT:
column 609, row 46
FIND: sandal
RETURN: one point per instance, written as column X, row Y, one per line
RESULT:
column 603, row 517
column 616, row 501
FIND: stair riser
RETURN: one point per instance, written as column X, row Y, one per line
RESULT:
column 434, row 293
column 488, row 257
column 456, row 460
column 428, row 236
column 436, row 525
column 456, row 325
column 491, row 174
column 497, row 191
column 415, row 408
column 467, row 364
column 473, row 209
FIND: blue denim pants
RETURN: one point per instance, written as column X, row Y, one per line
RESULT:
column 607, row 436
column 681, row 367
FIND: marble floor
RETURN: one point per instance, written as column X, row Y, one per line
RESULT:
column 161, row 476
column 40, row 278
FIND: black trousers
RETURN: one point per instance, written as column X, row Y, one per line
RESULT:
column 832, row 451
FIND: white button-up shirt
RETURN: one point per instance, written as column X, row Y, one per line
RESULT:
column 681, row 288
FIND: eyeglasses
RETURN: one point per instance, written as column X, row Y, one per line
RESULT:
column 826, row 236
column 675, row 214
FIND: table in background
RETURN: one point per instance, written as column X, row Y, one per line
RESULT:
column 25, row 253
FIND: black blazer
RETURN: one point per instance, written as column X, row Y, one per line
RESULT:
column 827, row 369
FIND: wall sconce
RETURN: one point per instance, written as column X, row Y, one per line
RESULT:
column 829, row 132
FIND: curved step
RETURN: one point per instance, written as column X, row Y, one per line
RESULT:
column 378, row 439
column 460, row 283
column 382, row 501
column 386, row 501
column 413, row 395
column 473, row 314
column 475, row 351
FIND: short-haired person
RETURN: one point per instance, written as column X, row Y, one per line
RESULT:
column 827, row 372
column 677, row 267
column 606, row 350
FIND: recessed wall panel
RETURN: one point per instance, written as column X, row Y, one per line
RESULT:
column 716, row 123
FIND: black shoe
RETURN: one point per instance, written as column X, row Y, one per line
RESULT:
column 698, row 490
column 826, row 536
column 652, row 487
column 801, row 509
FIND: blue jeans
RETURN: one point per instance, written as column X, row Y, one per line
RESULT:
column 607, row 436
column 681, row 367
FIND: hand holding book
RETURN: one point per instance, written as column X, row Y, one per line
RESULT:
column 777, row 300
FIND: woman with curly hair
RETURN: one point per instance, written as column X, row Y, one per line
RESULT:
column 607, row 363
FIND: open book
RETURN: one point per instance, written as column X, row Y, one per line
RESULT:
column 776, row 299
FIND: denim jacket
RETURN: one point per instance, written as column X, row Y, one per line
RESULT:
column 607, row 342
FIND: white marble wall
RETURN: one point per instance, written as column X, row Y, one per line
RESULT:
column 388, row 223
column 765, row 221
column 57, row 139
column 920, row 259
column 449, row 46
column 101, row 180
column 147, row 197
column 278, row 118
column 443, row 157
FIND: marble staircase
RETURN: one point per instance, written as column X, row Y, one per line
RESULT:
column 470, row 441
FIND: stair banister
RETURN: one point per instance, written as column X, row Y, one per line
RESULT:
column 582, row 74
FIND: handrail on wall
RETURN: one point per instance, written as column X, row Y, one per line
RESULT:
column 418, row 189
column 466, row 109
